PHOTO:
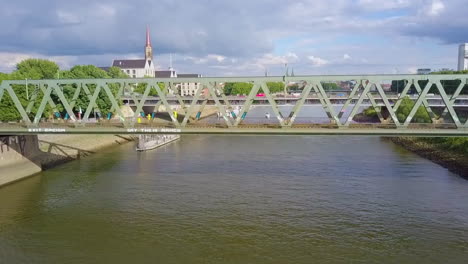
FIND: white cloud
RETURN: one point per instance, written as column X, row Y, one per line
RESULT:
column 436, row 8
column 318, row 62
column 347, row 57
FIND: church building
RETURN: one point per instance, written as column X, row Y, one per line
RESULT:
column 146, row 68
column 142, row 67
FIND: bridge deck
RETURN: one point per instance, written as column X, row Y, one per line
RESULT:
column 429, row 130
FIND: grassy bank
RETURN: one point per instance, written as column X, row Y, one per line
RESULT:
column 442, row 151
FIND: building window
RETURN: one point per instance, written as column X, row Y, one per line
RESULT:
column 134, row 76
column 134, row 72
column 128, row 71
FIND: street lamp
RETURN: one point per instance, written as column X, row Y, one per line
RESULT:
column 27, row 93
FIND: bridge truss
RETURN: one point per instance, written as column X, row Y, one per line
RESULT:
column 70, row 106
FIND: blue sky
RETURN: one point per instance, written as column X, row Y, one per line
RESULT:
column 242, row 37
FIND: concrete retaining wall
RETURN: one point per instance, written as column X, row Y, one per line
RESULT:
column 24, row 156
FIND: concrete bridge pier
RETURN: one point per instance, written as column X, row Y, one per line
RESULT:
column 19, row 158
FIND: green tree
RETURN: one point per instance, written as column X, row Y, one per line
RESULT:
column 405, row 108
column 27, row 69
column 330, row 86
column 241, row 88
column 36, row 69
column 116, row 73
column 88, row 72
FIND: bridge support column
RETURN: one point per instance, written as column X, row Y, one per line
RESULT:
column 19, row 158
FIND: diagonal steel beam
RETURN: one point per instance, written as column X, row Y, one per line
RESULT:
column 358, row 104
column 273, row 104
column 92, row 99
column 297, row 107
column 164, row 101
column 45, row 99
column 2, row 90
column 376, row 107
column 220, row 107
column 247, row 103
column 425, row 102
column 18, row 105
column 33, row 98
column 114, row 103
column 141, row 102
column 192, row 106
column 387, row 104
column 449, row 105
column 454, row 96
column 64, row 101
column 418, row 103
column 326, row 104
column 403, row 95
column 355, row 89
column 76, row 94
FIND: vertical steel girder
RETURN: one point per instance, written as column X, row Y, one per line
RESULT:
column 360, row 92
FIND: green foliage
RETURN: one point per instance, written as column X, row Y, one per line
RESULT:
column 43, row 69
column 27, row 69
column 330, row 86
column 116, row 73
column 141, row 87
column 87, row 72
column 405, row 108
column 241, row 88
column 245, row 88
column 36, row 69
column 370, row 112
column 276, row 87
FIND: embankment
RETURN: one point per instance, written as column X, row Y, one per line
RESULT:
column 24, row 156
column 452, row 160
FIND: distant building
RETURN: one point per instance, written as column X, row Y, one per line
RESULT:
column 141, row 67
column 463, row 57
column 424, row 71
column 185, row 89
column 189, row 89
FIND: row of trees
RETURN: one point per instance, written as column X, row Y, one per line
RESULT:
column 38, row 69
column 449, row 85
column 274, row 87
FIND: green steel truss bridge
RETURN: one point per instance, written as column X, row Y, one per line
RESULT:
column 56, row 106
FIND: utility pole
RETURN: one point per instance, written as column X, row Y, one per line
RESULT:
column 286, row 73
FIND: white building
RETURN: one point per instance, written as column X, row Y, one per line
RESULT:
column 139, row 68
column 188, row 89
column 463, row 57
column 146, row 68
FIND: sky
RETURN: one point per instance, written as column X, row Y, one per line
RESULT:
column 239, row 37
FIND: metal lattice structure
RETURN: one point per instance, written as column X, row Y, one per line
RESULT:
column 426, row 91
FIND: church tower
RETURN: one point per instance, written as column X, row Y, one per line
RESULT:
column 148, row 48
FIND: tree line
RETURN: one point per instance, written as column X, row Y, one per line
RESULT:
column 39, row 69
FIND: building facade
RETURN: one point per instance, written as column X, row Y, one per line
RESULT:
column 139, row 68
column 463, row 57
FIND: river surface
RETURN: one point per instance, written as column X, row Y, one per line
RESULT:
column 240, row 199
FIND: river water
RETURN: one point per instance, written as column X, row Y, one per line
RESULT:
column 240, row 199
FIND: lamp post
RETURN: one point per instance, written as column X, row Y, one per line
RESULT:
column 27, row 93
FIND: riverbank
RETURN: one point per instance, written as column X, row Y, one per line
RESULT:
column 25, row 156
column 452, row 160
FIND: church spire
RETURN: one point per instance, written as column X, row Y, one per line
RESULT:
column 148, row 48
column 148, row 37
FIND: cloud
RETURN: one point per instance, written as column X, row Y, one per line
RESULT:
column 242, row 37
column 436, row 8
column 316, row 61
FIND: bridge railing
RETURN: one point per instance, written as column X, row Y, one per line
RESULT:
column 157, row 102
